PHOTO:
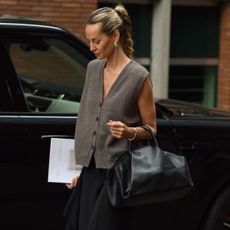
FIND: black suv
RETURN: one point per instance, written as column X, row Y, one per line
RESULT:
column 42, row 75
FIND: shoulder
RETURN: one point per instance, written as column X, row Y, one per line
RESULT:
column 138, row 70
column 96, row 63
column 93, row 67
column 135, row 76
column 137, row 73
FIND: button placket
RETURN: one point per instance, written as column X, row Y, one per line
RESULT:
column 97, row 120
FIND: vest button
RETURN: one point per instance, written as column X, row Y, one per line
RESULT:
column 97, row 118
column 94, row 132
column 92, row 146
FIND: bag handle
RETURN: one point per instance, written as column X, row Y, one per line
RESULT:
column 150, row 132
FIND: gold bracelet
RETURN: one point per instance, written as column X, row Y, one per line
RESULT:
column 134, row 135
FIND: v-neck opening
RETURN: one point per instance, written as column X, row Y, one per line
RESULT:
column 103, row 99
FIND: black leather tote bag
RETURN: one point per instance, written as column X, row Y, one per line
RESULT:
column 147, row 175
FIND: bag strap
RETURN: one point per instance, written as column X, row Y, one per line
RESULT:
column 150, row 132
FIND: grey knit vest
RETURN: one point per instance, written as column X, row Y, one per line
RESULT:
column 92, row 136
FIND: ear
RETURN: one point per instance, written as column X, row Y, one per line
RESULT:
column 116, row 36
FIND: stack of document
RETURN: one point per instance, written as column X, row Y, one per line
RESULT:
column 62, row 166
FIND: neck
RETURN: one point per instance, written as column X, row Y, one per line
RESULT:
column 117, row 59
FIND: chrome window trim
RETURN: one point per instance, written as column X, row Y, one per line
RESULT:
column 29, row 25
column 194, row 61
column 43, row 116
column 182, row 61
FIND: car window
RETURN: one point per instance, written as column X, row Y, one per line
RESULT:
column 51, row 73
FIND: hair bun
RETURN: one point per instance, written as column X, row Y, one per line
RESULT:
column 121, row 10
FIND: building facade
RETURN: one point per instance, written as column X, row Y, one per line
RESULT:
column 70, row 14
column 184, row 44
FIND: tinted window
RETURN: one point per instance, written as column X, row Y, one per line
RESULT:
column 195, row 32
column 51, row 73
column 194, row 84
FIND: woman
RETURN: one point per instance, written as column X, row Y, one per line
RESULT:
column 117, row 100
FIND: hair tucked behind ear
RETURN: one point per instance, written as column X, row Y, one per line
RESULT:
column 115, row 19
column 125, row 31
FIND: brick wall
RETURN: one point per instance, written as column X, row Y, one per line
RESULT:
column 224, row 64
column 70, row 14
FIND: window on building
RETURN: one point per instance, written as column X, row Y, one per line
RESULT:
column 194, row 54
column 193, row 83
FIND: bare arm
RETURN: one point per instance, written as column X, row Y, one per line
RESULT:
column 146, row 107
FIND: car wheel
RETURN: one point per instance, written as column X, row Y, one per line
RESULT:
column 218, row 217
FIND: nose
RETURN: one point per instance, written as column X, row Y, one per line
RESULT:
column 91, row 46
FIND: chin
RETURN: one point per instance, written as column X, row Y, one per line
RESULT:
column 100, row 57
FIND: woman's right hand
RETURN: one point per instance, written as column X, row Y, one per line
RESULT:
column 72, row 183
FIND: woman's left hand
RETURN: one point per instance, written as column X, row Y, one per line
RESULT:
column 119, row 130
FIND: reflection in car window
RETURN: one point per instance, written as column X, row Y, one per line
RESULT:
column 51, row 73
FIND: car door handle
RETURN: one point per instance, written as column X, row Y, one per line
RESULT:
column 204, row 147
column 43, row 137
column 201, row 147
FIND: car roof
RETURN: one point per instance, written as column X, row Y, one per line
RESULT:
column 20, row 24
column 21, row 19
column 26, row 22
column 182, row 108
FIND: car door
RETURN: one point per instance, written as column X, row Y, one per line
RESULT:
column 43, row 101
column 15, row 165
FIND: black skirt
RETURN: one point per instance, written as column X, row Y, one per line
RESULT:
column 88, row 207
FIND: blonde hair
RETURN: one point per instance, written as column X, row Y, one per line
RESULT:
column 115, row 19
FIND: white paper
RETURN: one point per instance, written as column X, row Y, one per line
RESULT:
column 62, row 167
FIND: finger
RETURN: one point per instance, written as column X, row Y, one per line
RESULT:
column 69, row 186
column 117, row 136
column 118, row 125
column 114, row 123
column 75, row 181
column 72, row 183
column 110, row 123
